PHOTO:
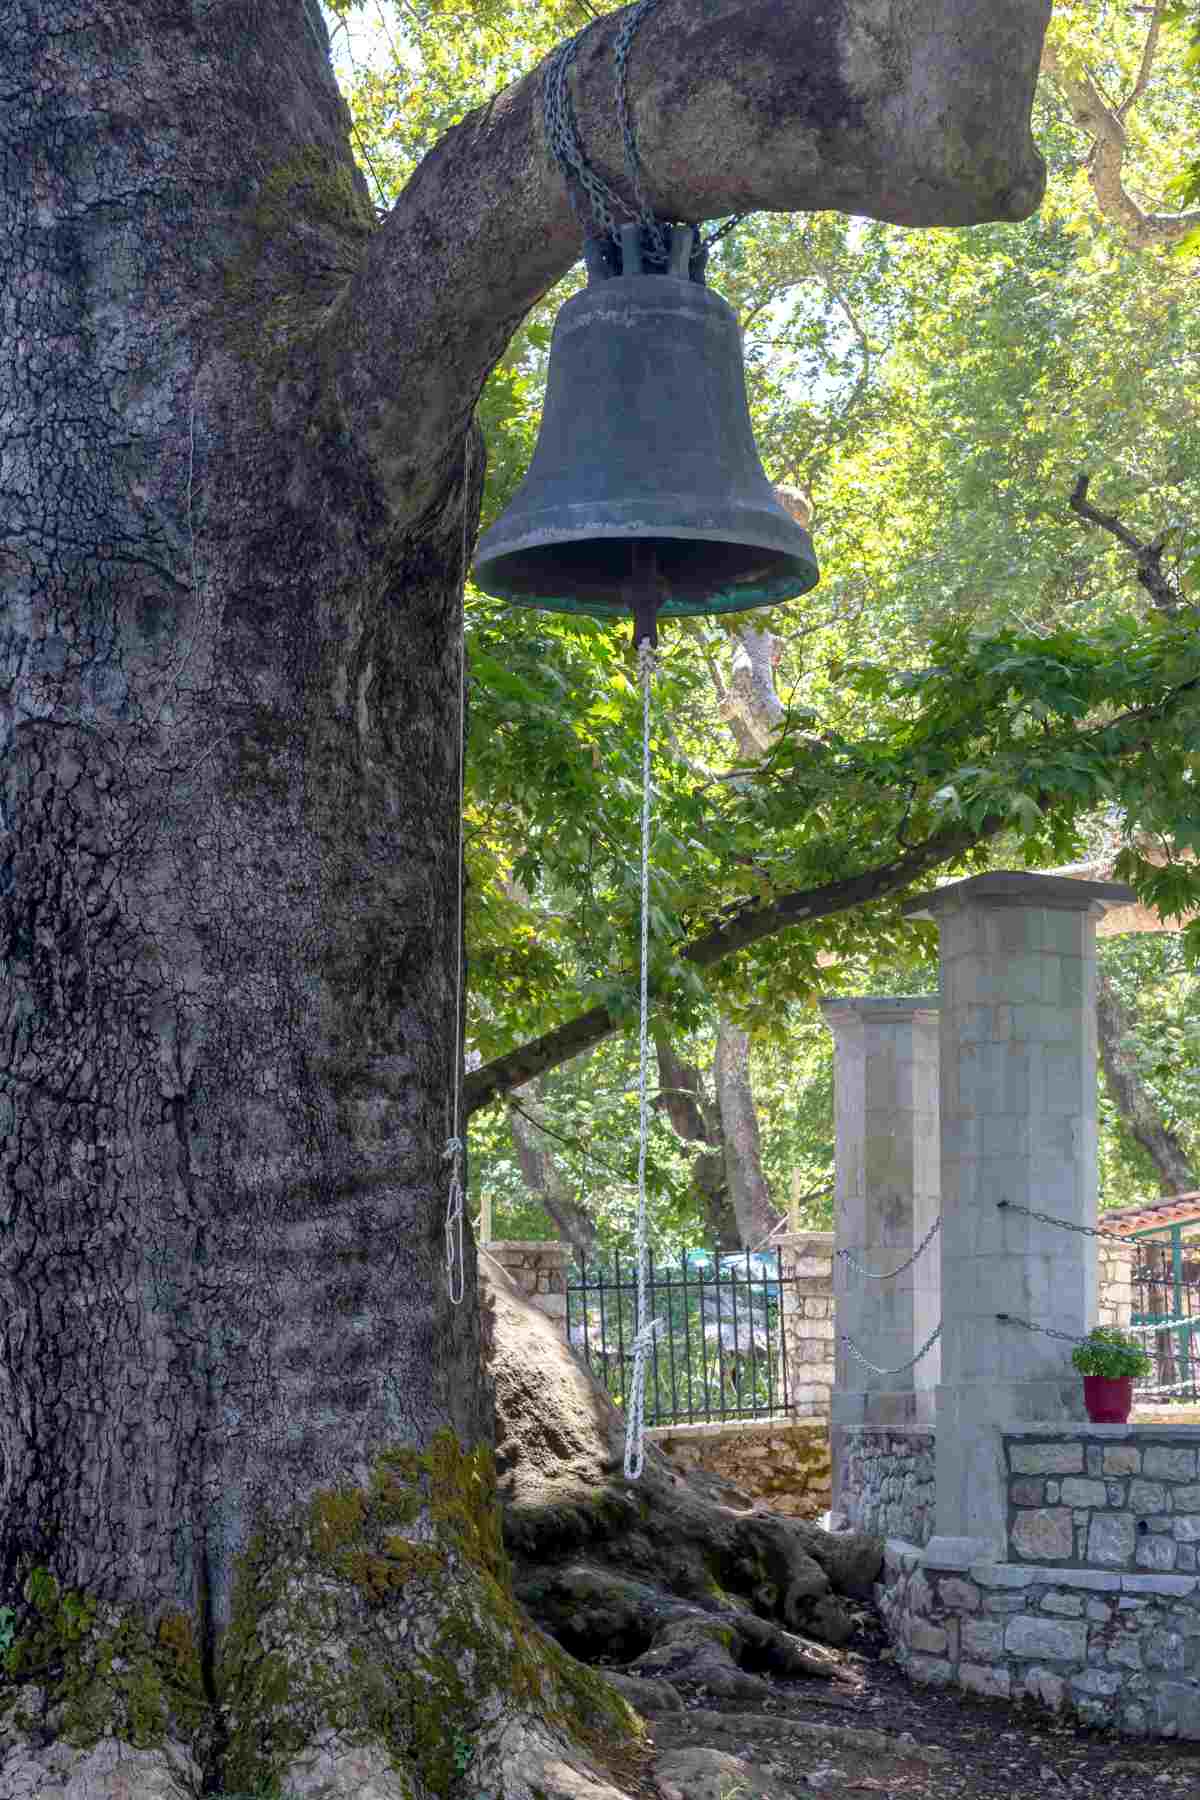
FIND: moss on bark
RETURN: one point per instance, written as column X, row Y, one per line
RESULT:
column 384, row 1614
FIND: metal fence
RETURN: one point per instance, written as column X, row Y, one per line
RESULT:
column 722, row 1353
column 1166, row 1292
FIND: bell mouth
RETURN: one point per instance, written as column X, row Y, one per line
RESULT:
column 696, row 574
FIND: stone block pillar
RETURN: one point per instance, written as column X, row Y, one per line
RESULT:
column 806, row 1261
column 1018, row 1126
column 1116, row 1283
column 886, row 1199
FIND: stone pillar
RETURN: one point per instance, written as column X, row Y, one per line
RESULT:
column 1018, row 1125
column 806, row 1261
column 1116, row 1283
column 885, row 1088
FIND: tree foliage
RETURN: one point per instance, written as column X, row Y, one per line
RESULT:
column 980, row 669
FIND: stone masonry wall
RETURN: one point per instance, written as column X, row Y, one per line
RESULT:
column 1107, row 1497
column 1116, row 1650
column 887, row 1481
column 783, row 1466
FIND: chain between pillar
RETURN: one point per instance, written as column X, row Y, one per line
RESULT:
column 890, row 1274
column 875, row 1369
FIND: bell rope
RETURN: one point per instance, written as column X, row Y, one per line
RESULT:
column 647, row 1330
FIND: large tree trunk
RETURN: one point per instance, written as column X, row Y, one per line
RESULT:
column 1139, row 1115
column 236, row 486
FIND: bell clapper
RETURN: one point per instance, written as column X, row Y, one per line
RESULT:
column 644, row 592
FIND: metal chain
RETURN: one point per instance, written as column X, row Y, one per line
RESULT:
column 563, row 137
column 890, row 1274
column 1068, row 1337
column 1067, row 1224
column 659, row 245
column 564, row 142
column 875, row 1369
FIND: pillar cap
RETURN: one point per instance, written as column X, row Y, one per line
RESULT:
column 1020, row 887
column 878, row 1006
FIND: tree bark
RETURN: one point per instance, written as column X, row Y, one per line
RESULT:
column 756, row 1215
column 237, row 477
column 543, row 1179
column 1139, row 1115
column 697, row 1120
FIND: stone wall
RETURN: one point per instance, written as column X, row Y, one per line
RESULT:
column 885, row 1480
column 784, row 1466
column 808, row 1320
column 1113, row 1649
column 539, row 1268
column 1106, row 1497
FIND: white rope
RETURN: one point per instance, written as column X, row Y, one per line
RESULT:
column 453, row 1152
column 646, row 1330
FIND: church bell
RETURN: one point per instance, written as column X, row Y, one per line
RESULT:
column 645, row 492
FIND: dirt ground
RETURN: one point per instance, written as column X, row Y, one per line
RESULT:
column 934, row 1745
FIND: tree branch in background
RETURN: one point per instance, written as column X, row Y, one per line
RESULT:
column 756, row 1215
column 1106, row 126
column 1139, row 1114
column 746, row 926
column 1148, row 557
column 544, row 1180
column 695, row 1120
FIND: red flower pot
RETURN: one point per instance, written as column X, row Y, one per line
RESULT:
column 1108, row 1398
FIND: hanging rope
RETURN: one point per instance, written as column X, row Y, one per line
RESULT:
column 647, row 1330
column 453, row 1152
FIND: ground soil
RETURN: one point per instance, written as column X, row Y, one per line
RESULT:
column 990, row 1750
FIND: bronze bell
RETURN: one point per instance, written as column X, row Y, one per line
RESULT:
column 645, row 492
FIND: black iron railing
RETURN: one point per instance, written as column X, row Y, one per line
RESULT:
column 722, row 1328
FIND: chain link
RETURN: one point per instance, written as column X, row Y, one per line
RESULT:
column 1067, row 1224
column 563, row 137
column 875, row 1369
column 1068, row 1337
column 890, row 1274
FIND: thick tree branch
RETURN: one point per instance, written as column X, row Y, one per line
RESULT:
column 1105, row 125
column 746, row 927
column 915, row 111
column 1147, row 556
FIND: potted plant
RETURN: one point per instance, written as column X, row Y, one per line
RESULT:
column 1108, row 1360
